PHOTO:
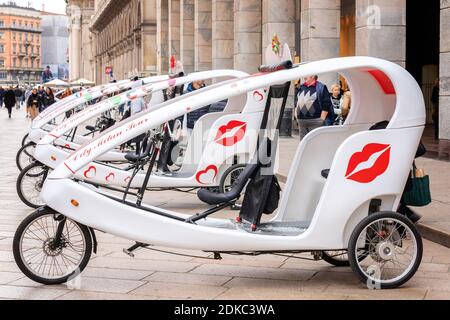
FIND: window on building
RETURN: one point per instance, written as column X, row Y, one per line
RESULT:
column 2, row 23
column 32, row 37
column 2, row 35
column 14, row 36
column 2, row 63
column 14, row 23
column 3, row 75
column 14, row 62
column 14, row 48
column 2, row 48
column 31, row 49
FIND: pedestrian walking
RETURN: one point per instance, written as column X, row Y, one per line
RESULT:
column 435, row 102
column 313, row 106
column 2, row 96
column 34, row 104
column 19, row 94
column 26, row 96
column 10, row 100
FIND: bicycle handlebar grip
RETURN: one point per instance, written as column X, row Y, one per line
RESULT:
column 276, row 67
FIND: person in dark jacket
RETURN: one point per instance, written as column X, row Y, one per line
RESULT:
column 10, row 100
column 34, row 103
column 2, row 96
column 435, row 102
column 19, row 94
column 194, row 116
column 313, row 106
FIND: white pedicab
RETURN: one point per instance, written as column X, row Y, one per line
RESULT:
column 55, row 114
column 49, row 152
column 315, row 214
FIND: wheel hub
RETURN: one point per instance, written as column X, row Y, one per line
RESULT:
column 386, row 250
column 51, row 249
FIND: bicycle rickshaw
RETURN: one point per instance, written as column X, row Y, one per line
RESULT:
column 317, row 212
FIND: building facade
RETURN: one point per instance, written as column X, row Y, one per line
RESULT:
column 20, row 45
column 55, row 44
column 139, row 36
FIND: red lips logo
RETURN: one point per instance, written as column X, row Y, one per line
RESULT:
column 231, row 134
column 127, row 179
column 90, row 173
column 370, row 163
column 110, row 177
column 258, row 96
column 208, row 175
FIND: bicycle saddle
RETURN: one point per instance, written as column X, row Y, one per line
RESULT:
column 214, row 198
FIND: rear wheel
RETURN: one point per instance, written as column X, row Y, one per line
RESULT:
column 29, row 184
column 230, row 176
column 25, row 156
column 336, row 258
column 47, row 258
column 393, row 249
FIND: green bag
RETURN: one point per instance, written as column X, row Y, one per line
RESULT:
column 419, row 194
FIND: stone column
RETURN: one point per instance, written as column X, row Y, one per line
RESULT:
column 381, row 29
column 75, row 48
column 174, row 28
column 320, row 32
column 187, row 18
column 278, row 18
column 162, row 39
column 222, row 34
column 247, row 35
column 444, row 92
column 202, row 35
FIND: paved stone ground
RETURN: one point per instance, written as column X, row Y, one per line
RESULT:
column 112, row 275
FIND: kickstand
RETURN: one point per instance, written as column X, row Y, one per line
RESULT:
column 129, row 251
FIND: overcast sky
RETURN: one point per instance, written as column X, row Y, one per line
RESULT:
column 57, row 6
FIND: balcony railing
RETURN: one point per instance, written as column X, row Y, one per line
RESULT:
column 21, row 28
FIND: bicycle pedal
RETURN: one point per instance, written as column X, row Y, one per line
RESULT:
column 129, row 253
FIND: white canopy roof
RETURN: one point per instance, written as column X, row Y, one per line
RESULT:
column 56, row 83
column 82, row 82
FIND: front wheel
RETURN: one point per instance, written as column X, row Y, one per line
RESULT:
column 393, row 249
column 50, row 248
column 30, row 182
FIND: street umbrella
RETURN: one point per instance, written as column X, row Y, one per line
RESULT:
column 82, row 82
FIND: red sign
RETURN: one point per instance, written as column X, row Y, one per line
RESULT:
column 108, row 70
